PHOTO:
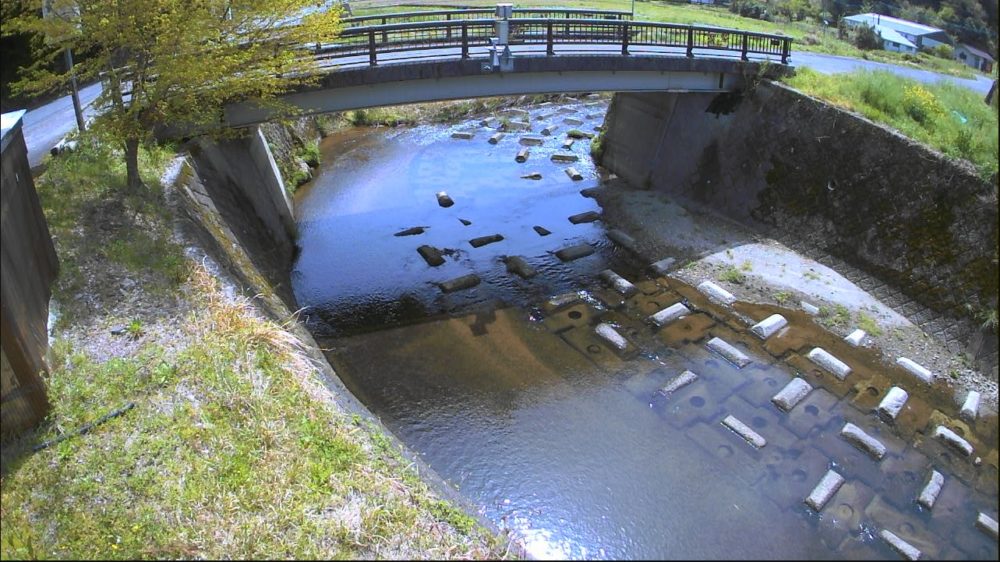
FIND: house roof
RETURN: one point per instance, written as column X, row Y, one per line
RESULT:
column 905, row 26
column 977, row 52
column 892, row 35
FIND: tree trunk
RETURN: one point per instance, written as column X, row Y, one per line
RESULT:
column 134, row 184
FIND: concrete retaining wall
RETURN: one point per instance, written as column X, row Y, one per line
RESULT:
column 810, row 172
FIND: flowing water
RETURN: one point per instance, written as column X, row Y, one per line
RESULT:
column 546, row 427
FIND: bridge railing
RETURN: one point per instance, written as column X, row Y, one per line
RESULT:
column 482, row 13
column 428, row 36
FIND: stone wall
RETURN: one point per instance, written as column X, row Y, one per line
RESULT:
column 825, row 178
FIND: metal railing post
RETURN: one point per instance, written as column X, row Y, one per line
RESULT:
column 625, row 38
column 743, row 55
column 448, row 31
column 785, row 45
column 372, row 59
column 385, row 36
column 690, row 43
column 465, row 40
column 549, row 46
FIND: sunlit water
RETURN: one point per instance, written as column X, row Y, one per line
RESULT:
column 522, row 409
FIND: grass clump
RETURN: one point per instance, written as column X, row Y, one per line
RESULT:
column 869, row 324
column 732, row 275
column 949, row 118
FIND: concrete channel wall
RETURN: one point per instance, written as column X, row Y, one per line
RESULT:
column 828, row 179
column 29, row 266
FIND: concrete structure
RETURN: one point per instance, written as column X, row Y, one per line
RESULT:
column 980, row 60
column 29, row 266
column 900, row 35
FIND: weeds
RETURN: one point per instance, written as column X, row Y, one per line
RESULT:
column 732, row 275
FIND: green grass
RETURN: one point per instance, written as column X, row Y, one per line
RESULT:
column 732, row 275
column 869, row 325
column 930, row 113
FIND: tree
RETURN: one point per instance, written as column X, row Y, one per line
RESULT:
column 166, row 63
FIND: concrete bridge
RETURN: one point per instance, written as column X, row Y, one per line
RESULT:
column 455, row 54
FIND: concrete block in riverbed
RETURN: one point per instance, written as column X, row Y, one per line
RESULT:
column 716, row 293
column 608, row 333
column 444, row 199
column 459, row 283
column 890, row 406
column 549, row 129
column 564, row 157
column 520, row 266
column 792, row 394
column 595, row 115
column 864, row 442
column 575, row 252
column 590, row 192
column 825, row 490
column 768, row 326
column 465, row 222
column 568, row 144
column 560, row 301
column 835, row 366
column 677, row 383
column 618, row 283
column 622, row 239
column 490, row 122
column 484, row 240
column 462, row 135
column 904, row 548
column 856, row 337
column 916, row 369
column 411, row 231
column 532, row 176
column 987, row 524
column 541, row 230
column 953, row 439
column 730, row 353
column 970, row 408
column 744, row 431
column 589, row 216
column 431, row 255
column 662, row 267
column 931, row 491
column 565, row 109
column 496, row 137
column 669, row 314
column 543, row 116
column 515, row 112
column 517, row 126
column 572, row 122
column 574, row 174
column 522, row 155
column 809, row 308
column 531, row 141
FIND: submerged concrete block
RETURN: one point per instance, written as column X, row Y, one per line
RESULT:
column 520, row 266
column 987, row 524
column 531, row 141
column 904, row 548
column 411, row 231
column 892, row 404
column 856, row 337
column 572, row 121
column 931, row 491
column 622, row 239
column 678, row 382
column 953, row 439
column 970, row 408
column 541, row 230
column 618, row 283
column 730, row 353
column 462, row 135
column 589, row 216
column 662, row 267
column 459, row 283
column 573, row 174
column 825, row 490
column 513, row 125
column 484, row 240
column 824, row 359
column 768, row 326
column 608, row 333
column 716, row 293
column 669, row 314
column 496, row 137
column 431, row 255
column 568, row 144
column 532, row 176
column 575, row 252
column 522, row 155
column 744, row 431
column 549, row 129
column 916, row 369
column 565, row 299
column 564, row 157
column 792, row 394
column 444, row 199
column 864, row 442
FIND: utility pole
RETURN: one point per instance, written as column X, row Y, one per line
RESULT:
column 81, row 125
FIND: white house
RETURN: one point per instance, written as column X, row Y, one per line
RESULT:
column 900, row 35
column 973, row 57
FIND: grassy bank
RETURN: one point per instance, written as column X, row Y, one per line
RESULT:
column 233, row 449
column 952, row 119
column 808, row 35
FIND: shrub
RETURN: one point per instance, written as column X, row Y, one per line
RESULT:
column 866, row 39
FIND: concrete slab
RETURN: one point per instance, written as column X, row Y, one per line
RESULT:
column 793, row 393
column 618, row 283
column 812, row 414
column 669, row 314
column 744, row 431
column 905, row 549
column 931, row 490
column 688, row 329
column 769, row 326
column 575, row 252
column 728, row 352
column 890, row 406
column 827, row 361
column 716, row 293
column 922, row 373
column 824, row 490
column 864, row 442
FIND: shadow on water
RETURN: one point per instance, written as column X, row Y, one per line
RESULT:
column 553, row 431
